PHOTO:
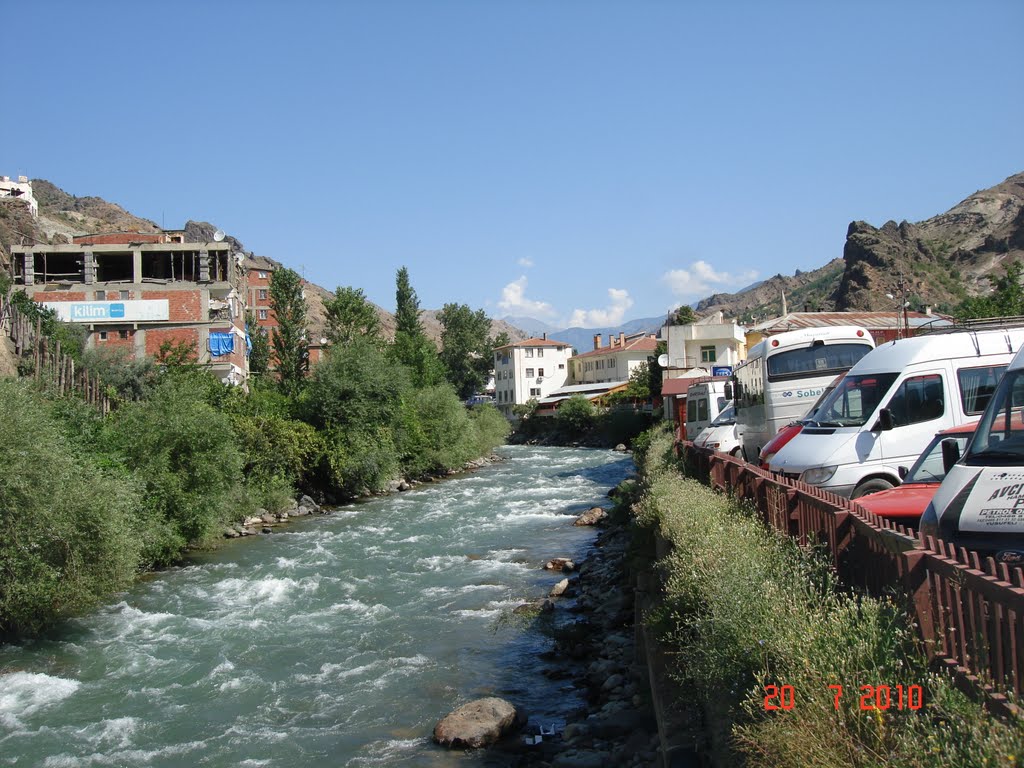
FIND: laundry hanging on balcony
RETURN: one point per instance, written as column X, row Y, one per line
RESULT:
column 221, row 343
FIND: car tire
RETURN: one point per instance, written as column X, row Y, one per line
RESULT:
column 874, row 485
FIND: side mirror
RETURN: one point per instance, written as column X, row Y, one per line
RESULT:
column 950, row 453
column 903, row 472
column 728, row 390
column 885, row 421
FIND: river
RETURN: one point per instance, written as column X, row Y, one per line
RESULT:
column 335, row 641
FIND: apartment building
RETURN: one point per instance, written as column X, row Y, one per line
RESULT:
column 259, row 270
column 697, row 348
column 530, row 369
column 615, row 361
column 139, row 291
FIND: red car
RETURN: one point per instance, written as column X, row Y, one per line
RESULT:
column 790, row 431
column 906, row 502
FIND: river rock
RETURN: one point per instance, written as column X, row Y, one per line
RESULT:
column 231, row 533
column 559, row 564
column 268, row 518
column 307, row 502
column 478, row 724
column 592, row 516
column 559, row 589
column 620, row 448
column 252, row 520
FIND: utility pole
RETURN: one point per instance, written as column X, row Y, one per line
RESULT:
column 898, row 292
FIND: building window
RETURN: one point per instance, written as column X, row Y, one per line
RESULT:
column 528, row 352
column 263, row 275
column 540, row 352
column 707, row 354
column 611, row 363
column 101, row 295
column 103, row 335
column 540, row 371
column 529, row 373
column 561, row 366
column 263, row 314
column 534, row 391
column 125, row 295
column 122, row 334
column 263, row 294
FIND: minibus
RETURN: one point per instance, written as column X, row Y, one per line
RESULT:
column 784, row 374
column 980, row 504
column 705, row 399
column 887, row 408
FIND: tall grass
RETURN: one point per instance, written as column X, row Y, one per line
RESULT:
column 745, row 608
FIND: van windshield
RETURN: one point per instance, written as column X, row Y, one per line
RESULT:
column 853, row 400
column 999, row 438
column 815, row 360
column 726, row 417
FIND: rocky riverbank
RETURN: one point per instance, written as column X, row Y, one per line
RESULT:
column 264, row 521
column 595, row 651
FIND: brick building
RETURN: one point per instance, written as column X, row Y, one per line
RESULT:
column 139, row 291
column 259, row 270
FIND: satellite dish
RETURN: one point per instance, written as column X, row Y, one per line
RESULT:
column 663, row 361
column 218, row 236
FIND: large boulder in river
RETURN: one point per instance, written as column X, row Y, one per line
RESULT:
column 478, row 724
column 592, row 516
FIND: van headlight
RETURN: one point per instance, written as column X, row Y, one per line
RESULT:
column 819, row 475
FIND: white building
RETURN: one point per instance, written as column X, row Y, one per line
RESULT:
column 696, row 348
column 533, row 368
column 19, row 190
column 614, row 362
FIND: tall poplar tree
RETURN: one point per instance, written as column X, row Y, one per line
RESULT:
column 351, row 316
column 289, row 337
column 412, row 348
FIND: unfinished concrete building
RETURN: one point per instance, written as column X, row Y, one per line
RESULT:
column 140, row 291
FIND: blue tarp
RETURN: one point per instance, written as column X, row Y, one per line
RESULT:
column 221, row 344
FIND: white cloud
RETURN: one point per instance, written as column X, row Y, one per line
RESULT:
column 513, row 299
column 701, row 277
column 599, row 318
column 525, row 262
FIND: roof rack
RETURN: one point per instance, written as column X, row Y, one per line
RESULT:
column 975, row 324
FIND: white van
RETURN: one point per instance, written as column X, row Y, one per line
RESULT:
column 980, row 504
column 721, row 435
column 704, row 401
column 887, row 408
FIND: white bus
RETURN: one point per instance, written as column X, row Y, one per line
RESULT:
column 784, row 374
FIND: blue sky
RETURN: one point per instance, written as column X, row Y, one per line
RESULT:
column 579, row 162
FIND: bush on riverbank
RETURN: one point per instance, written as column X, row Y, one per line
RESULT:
column 67, row 524
column 745, row 607
column 585, row 426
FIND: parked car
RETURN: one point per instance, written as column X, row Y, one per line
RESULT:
column 980, row 504
column 720, row 435
column 887, row 408
column 907, row 502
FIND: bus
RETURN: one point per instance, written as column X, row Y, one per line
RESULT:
column 784, row 374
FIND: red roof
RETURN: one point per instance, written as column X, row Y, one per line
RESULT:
column 643, row 344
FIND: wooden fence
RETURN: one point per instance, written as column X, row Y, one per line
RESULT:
column 969, row 610
column 51, row 366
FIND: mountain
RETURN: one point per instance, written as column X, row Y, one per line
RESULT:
column 63, row 216
column 530, row 324
column 942, row 260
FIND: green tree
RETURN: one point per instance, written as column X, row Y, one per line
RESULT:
column 183, row 451
column 259, row 355
column 67, row 532
column 684, row 316
column 576, row 415
column 655, row 370
column 289, row 337
column 412, row 348
column 639, row 386
column 1006, row 299
column 350, row 315
column 466, row 350
column 407, row 305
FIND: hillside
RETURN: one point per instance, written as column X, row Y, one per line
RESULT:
column 943, row 260
column 62, row 216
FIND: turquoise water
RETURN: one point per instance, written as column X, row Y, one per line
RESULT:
column 338, row 640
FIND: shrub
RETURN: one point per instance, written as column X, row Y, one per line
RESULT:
column 184, row 453
column 576, row 415
column 66, row 525
column 490, row 428
column 438, row 433
column 361, row 460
